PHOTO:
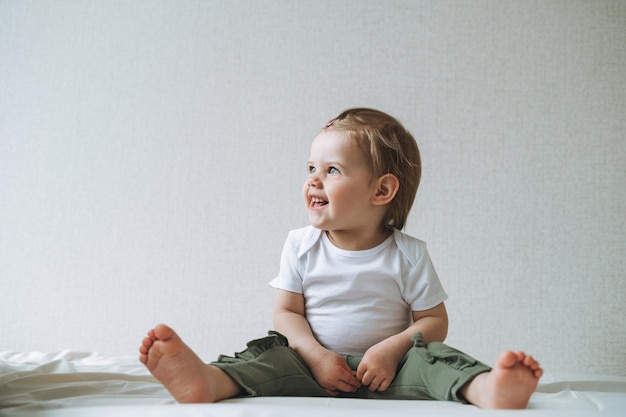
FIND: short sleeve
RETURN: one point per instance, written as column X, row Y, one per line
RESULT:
column 422, row 288
column 289, row 277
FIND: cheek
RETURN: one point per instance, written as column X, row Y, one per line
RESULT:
column 348, row 196
column 305, row 193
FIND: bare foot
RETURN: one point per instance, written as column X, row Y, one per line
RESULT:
column 181, row 371
column 510, row 383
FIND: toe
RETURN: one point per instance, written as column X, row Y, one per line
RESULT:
column 530, row 362
column 508, row 359
column 163, row 332
column 147, row 342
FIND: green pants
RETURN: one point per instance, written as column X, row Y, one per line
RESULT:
column 269, row 367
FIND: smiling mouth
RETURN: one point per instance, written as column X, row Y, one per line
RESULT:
column 318, row 202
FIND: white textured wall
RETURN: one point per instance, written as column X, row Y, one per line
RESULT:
column 151, row 156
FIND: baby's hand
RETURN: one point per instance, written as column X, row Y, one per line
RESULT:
column 333, row 373
column 377, row 368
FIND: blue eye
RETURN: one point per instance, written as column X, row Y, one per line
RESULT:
column 311, row 169
column 333, row 170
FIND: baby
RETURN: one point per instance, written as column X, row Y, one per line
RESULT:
column 359, row 309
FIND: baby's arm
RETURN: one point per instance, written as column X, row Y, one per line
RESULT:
column 379, row 364
column 330, row 370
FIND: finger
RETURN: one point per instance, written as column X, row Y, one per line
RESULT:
column 371, row 380
column 349, row 377
column 348, row 383
column 373, row 386
column 384, row 385
column 367, row 378
column 360, row 371
column 332, row 393
column 346, row 387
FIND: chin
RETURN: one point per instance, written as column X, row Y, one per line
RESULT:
column 315, row 223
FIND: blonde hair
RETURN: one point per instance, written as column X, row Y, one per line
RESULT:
column 390, row 149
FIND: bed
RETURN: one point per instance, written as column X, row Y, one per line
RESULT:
column 89, row 384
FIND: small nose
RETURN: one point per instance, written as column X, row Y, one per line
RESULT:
column 312, row 181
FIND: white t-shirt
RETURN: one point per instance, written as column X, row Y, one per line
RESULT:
column 355, row 299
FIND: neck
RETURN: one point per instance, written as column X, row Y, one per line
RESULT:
column 357, row 240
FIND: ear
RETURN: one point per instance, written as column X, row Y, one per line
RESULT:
column 386, row 189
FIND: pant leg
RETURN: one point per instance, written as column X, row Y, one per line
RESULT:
column 428, row 372
column 269, row 367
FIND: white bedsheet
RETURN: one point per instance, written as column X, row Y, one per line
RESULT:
column 88, row 384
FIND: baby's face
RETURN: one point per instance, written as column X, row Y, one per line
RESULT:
column 340, row 186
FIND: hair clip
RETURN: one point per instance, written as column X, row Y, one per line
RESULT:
column 330, row 123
